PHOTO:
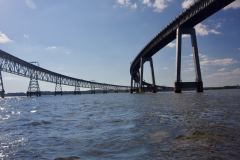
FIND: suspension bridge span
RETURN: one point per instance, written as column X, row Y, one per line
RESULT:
column 184, row 23
column 14, row 65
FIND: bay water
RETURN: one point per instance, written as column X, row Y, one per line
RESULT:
column 163, row 125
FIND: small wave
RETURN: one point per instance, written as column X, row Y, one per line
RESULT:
column 68, row 158
column 34, row 111
column 37, row 123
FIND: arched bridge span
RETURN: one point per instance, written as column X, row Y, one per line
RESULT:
column 195, row 13
column 14, row 65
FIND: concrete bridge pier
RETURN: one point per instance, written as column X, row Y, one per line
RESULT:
column 141, row 87
column 58, row 88
column 134, row 82
column 1, row 85
column 178, row 83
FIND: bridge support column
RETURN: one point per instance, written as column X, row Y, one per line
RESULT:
column 178, row 83
column 58, row 87
column 33, row 87
column 77, row 89
column 142, row 88
column 1, row 85
column 134, row 82
column 105, row 90
column 92, row 89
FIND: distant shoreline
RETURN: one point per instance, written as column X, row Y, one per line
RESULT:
column 112, row 91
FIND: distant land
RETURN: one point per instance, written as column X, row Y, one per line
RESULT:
column 112, row 91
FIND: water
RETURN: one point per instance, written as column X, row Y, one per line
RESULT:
column 122, row 126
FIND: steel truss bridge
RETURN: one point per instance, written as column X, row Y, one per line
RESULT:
column 14, row 65
column 183, row 23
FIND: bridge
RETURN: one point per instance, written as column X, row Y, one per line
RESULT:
column 184, row 23
column 14, row 65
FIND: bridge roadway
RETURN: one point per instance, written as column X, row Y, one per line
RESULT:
column 195, row 13
column 14, row 65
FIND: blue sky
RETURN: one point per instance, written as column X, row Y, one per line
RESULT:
column 97, row 40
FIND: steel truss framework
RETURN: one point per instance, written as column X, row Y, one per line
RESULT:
column 14, row 65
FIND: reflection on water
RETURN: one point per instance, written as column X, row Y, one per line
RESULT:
column 166, row 125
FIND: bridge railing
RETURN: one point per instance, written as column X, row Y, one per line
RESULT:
column 14, row 65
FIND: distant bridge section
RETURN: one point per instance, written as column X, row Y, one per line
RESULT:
column 198, row 11
column 14, row 65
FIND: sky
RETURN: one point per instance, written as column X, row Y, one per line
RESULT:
column 96, row 40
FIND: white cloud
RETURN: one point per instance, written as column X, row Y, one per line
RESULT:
column 233, row 73
column 221, row 62
column 124, row 2
column 223, row 69
column 159, row 5
column 147, row 2
column 53, row 47
column 60, row 68
column 30, row 4
column 233, row 5
column 171, row 45
column 134, row 6
column 25, row 35
column 165, row 68
column 4, row 38
column 186, row 3
column 68, row 52
column 202, row 30
column 239, row 48
column 11, row 78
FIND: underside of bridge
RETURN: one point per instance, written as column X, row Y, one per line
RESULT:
column 182, row 24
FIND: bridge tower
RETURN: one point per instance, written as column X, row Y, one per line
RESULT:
column 178, row 83
column 58, row 87
column 77, row 89
column 33, row 87
column 141, row 87
column 1, row 84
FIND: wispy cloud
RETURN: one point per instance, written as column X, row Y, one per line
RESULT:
column 223, row 69
column 218, row 25
column 186, row 3
column 26, row 36
column 220, row 62
column 171, row 45
column 68, row 52
column 233, row 5
column 189, row 70
column 202, row 30
column 53, row 47
column 30, row 4
column 165, row 68
column 60, row 68
column 235, row 73
column 124, row 2
column 4, row 38
column 11, row 78
column 239, row 48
